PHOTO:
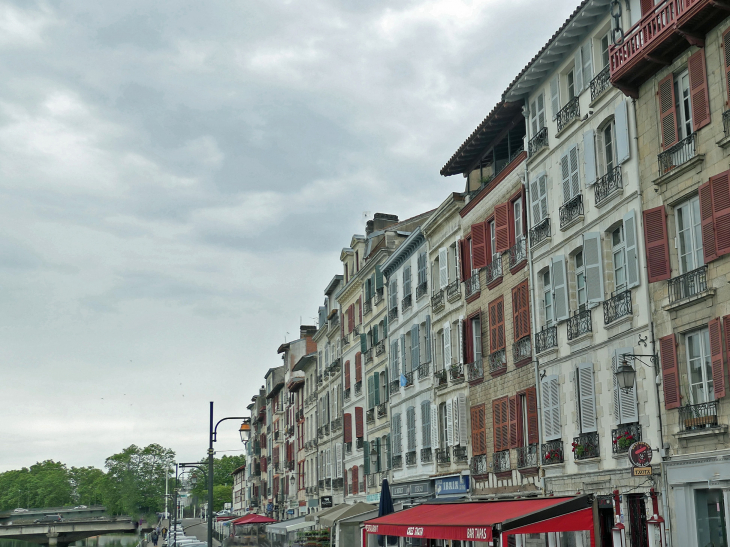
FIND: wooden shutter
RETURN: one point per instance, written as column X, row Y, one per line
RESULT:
column 463, row 425
column 587, row 58
column 578, row 71
column 427, row 340
column 443, row 268
column 720, row 185
column 350, row 318
column 355, row 480
column 456, row 433
column 589, row 156
column 468, row 342
column 371, row 392
column 555, row 96
column 726, row 62
column 358, row 367
column 376, row 384
column 533, row 436
column 347, row 374
column 434, row 426
column 716, row 357
column 646, row 6
column 478, row 428
column 358, row 422
column 624, row 400
column 478, row 247
column 632, row 254
column 709, row 245
column 426, row 424
column 668, row 112
column 514, row 420
column 657, row 244
column 565, row 177
column 500, row 418
column 670, row 371
column 699, row 93
column 415, row 347
column 501, row 227
column 574, row 171
column 516, row 303
column 726, row 327
column 449, row 423
column 521, row 318
column 366, row 458
column 496, row 324
column 586, row 398
column 593, row 261
column 560, row 288
column 621, row 125
column 447, row 345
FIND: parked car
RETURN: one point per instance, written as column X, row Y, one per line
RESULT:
column 49, row 518
column 20, row 510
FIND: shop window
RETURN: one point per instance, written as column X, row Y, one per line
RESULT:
column 710, row 518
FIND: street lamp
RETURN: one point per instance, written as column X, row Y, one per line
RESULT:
column 245, row 431
column 626, row 374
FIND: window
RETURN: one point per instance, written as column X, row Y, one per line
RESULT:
column 580, row 280
column 407, row 281
column 393, row 291
column 605, row 42
column 619, row 258
column 476, row 331
column 537, row 114
column 547, row 299
column 605, row 144
column 517, row 210
column 493, row 240
column 700, row 368
column 454, row 261
column 443, row 423
column 571, row 85
column 524, row 427
column 710, row 516
column 683, row 104
column 689, row 235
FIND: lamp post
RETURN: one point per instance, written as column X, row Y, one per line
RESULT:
column 626, row 374
column 211, row 439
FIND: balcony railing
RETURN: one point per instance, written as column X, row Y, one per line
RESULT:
column 472, row 284
column 479, row 465
column 518, row 253
column 497, row 361
column 380, row 347
column 378, row 296
column 586, row 446
column 371, row 480
column 348, row 448
column 453, row 291
column 321, row 483
column 421, row 289
column 394, row 386
column 393, row 314
column 336, row 424
column 439, row 377
column 579, row 324
column 370, row 416
column 426, row 455
column 501, row 461
column 571, row 210
column 411, row 458
column 726, row 122
column 424, row 370
column 540, row 232
column 475, row 370
column 568, row 113
column 538, row 142
column 493, row 271
column 328, row 483
column 442, row 456
column 437, row 299
column 356, row 330
column 407, row 301
column 600, row 83
column 320, row 379
column 369, row 356
column 359, row 443
column 522, row 349
column 527, row 456
column 456, row 373
column 688, row 284
column 619, row 305
column 398, row 462
column 460, row 454
column 678, row 154
column 608, row 185
column 346, row 394
column 624, row 436
column 337, row 484
column 367, row 307
column 382, row 409
column 345, row 340
column 358, row 388
column 545, row 339
column 701, row 416
column 409, row 378
column 326, row 429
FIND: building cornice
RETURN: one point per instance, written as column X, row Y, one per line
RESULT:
column 405, row 251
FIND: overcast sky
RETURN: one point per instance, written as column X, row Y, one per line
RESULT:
column 178, row 178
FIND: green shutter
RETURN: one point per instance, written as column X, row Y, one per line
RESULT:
column 386, row 394
column 377, row 450
column 371, row 393
column 385, row 326
column 366, row 455
column 377, row 388
column 390, row 452
column 375, row 335
column 372, row 285
column 378, row 278
column 363, row 343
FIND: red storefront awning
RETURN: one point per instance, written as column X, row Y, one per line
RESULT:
column 253, row 518
column 475, row 520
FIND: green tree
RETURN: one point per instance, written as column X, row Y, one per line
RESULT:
column 223, row 469
column 222, row 494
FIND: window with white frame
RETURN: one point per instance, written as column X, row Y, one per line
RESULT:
column 443, row 423
column 517, row 210
column 580, row 280
column 537, row 113
column 605, row 43
column 689, row 235
column 683, row 104
column 606, row 146
column 493, row 240
column 619, row 258
column 570, row 79
column 547, row 295
column 476, row 330
column 699, row 366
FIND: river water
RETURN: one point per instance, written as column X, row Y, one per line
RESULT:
column 110, row 540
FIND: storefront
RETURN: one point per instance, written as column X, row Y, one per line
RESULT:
column 286, row 533
column 453, row 486
column 412, row 492
column 479, row 522
column 250, row 529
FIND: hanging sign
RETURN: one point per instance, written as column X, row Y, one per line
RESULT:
column 640, row 455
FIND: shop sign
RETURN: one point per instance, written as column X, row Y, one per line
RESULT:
column 640, row 454
column 325, row 502
column 269, row 507
column 373, row 498
column 641, row 471
column 452, row 485
column 411, row 490
column 290, row 511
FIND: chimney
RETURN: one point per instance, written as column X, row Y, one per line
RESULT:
column 307, row 331
column 368, row 228
column 383, row 220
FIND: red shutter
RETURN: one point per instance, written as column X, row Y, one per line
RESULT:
column 342, row 325
column 492, row 326
column 501, row 344
column 359, row 311
column 468, row 341
column 657, row 244
column 667, row 112
column 513, row 421
column 497, row 424
column 477, row 430
column 504, row 427
column 478, row 246
column 358, row 422
column 520, row 311
column 699, row 93
column 532, row 416
column 351, row 317
column 718, row 363
column 670, row 372
column 709, row 244
column 358, row 367
column 525, row 318
column 464, row 260
column 646, row 6
column 347, row 374
column 726, row 326
column 354, row 481
column 348, row 427
column 726, row 59
column 501, row 227
column 720, row 185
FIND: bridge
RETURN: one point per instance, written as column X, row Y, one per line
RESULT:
column 60, row 534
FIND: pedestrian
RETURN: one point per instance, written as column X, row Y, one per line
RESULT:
column 164, row 533
column 154, row 537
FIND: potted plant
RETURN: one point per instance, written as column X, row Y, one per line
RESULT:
column 578, row 449
column 552, row 456
column 624, row 440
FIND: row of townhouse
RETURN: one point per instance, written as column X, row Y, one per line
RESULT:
column 572, row 300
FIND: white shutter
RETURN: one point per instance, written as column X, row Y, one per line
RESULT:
column 578, row 72
column 565, row 177
column 586, row 398
column 447, row 345
column 587, row 58
column 404, row 354
column 560, row 289
column 463, row 426
column 457, row 264
column 555, row 95
column 443, row 267
column 621, row 122
column 426, row 424
column 555, row 399
column 543, row 188
column 338, row 460
column 589, row 157
column 461, row 339
column 435, row 426
column 535, row 201
column 415, row 347
column 449, row 424
column 574, row 172
column 456, row 438
column 329, row 463
column 547, row 415
column 593, row 267
column 632, row 255
column 625, row 404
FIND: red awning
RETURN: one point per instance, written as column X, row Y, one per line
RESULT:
column 253, row 518
column 468, row 520
column 570, row 522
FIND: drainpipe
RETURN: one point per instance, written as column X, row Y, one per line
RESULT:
column 531, row 277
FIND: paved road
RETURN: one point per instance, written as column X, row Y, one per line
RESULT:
column 197, row 528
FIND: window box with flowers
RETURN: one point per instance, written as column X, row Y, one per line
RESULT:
column 585, row 446
column 624, row 436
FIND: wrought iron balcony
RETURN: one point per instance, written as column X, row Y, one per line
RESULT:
column 346, row 340
column 380, row 347
column 421, row 289
column 348, row 448
column 493, row 271
column 335, row 366
column 518, row 253
column 321, row 483
column 346, row 394
column 678, row 154
column 370, row 416
column 337, row 484
column 320, row 379
column 393, row 314
column 367, row 307
column 600, row 83
column 701, row 416
column 426, row 455
column 527, row 456
column 320, row 432
column 619, row 305
column 336, row 424
column 497, row 361
column 570, row 112
column 276, row 435
column 501, row 461
column 358, row 388
column 579, row 324
column 453, row 291
column 369, row 356
column 326, row 429
column 586, row 446
column 726, row 122
column 439, row 377
column 371, row 480
column 545, row 339
column 475, row 370
column 540, row 232
column 409, row 378
column 571, row 210
column 411, row 458
column 472, row 284
column 407, row 302
column 522, row 349
column 382, row 410
column 378, row 296
column 688, row 284
column 328, row 483
column 456, row 373
column 624, row 436
column 437, row 299
column 356, row 329
column 479, row 465
column 460, row 454
column 394, row 386
column 538, row 142
column 424, row 370
column 278, row 408
column 359, row 443
column 443, row 457
column 398, row 462
column 608, row 185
